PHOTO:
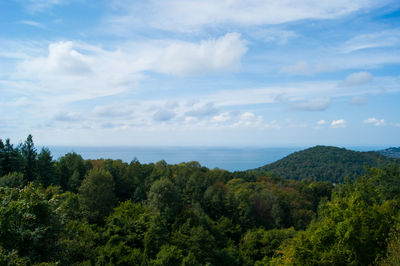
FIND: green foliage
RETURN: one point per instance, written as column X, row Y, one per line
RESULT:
column 45, row 168
column 186, row 214
column 164, row 197
column 393, row 252
column 11, row 258
column 197, row 240
column 29, row 223
column 79, row 243
column 391, row 152
column 168, row 256
column 96, row 195
column 14, row 179
column 324, row 163
column 124, row 233
column 259, row 243
column 66, row 167
column 10, row 158
column 353, row 227
column 28, row 152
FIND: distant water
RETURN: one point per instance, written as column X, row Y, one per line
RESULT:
column 232, row 159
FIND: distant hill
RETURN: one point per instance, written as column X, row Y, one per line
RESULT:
column 391, row 152
column 324, row 163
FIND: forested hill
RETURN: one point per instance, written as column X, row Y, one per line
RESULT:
column 324, row 163
column 391, row 152
column 73, row 211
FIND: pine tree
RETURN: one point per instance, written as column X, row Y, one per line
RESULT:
column 45, row 168
column 1, row 157
column 29, row 154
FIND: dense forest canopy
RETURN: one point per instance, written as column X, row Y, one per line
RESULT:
column 73, row 211
column 325, row 163
column 391, row 152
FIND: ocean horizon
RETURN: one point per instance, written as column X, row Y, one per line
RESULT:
column 228, row 158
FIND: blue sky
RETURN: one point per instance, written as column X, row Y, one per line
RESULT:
column 200, row 73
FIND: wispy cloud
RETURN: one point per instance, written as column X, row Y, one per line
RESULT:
column 386, row 38
column 248, row 119
column 375, row 121
column 32, row 23
column 203, row 110
column 304, row 68
column 42, row 5
column 340, row 123
column 358, row 100
column 318, row 104
column 189, row 15
column 273, row 35
column 163, row 115
column 68, row 117
column 356, row 79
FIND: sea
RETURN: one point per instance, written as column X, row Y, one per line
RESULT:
column 231, row 159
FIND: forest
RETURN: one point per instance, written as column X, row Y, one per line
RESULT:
column 325, row 163
column 71, row 211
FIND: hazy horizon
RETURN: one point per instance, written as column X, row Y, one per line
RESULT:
column 229, row 158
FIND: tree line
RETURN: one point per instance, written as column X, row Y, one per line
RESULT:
column 72, row 211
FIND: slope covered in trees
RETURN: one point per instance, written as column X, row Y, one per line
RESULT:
column 391, row 152
column 324, row 163
column 72, row 211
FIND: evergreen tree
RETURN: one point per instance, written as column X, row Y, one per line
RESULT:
column 11, row 159
column 29, row 155
column 45, row 168
column 1, row 157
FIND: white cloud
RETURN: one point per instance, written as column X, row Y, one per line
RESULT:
column 202, row 110
column 189, row 15
column 386, row 38
column 340, row 123
column 68, row 116
column 272, row 124
column 358, row 100
column 356, row 79
column 62, row 59
column 222, row 117
column 317, row 104
column 32, row 23
column 72, row 71
column 375, row 122
column 163, row 115
column 304, row 68
column 119, row 110
column 273, row 35
column 183, row 58
column 320, row 124
column 42, row 5
column 248, row 119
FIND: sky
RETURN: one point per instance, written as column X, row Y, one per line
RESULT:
column 200, row 72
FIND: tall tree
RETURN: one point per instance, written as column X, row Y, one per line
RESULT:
column 1, row 156
column 11, row 159
column 69, row 164
column 45, row 168
column 29, row 154
column 96, row 195
column 165, row 197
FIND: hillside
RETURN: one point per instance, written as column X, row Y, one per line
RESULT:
column 324, row 163
column 391, row 152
